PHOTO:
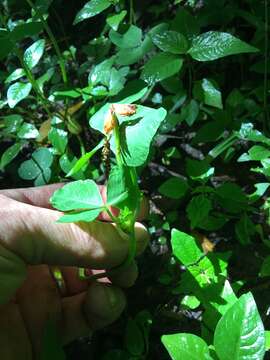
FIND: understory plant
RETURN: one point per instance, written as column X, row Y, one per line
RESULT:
column 169, row 99
column 128, row 130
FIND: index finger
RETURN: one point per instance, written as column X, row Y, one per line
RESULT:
column 40, row 196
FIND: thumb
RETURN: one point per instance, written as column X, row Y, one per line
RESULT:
column 30, row 235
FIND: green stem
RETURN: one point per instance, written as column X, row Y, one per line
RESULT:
column 33, row 82
column 118, row 144
column 131, row 12
column 53, row 40
column 81, row 145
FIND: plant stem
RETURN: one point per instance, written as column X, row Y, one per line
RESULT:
column 53, row 40
column 81, row 145
column 117, row 144
column 33, row 82
column 131, row 12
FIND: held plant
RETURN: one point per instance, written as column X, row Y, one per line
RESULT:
column 81, row 200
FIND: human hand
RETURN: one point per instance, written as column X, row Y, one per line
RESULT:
column 31, row 243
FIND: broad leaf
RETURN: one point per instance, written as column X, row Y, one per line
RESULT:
column 137, row 132
column 114, row 20
column 231, row 197
column 212, row 96
column 78, row 195
column 38, row 167
column 185, row 248
column 160, row 67
column 15, row 75
column 28, row 131
column 117, row 189
column 86, row 215
column 213, row 45
column 22, row 31
column 190, row 112
column 34, row 53
column 171, row 41
column 239, row 334
column 6, row 46
column 198, row 210
column 186, row 347
column 92, row 8
column 129, row 39
column 10, row 153
column 17, row 92
column 174, row 188
column 258, row 153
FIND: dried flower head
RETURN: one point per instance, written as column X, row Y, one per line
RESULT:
column 124, row 109
column 110, row 121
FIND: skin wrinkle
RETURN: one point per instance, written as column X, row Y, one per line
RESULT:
column 36, row 249
column 31, row 235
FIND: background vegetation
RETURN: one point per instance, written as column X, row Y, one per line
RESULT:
column 207, row 63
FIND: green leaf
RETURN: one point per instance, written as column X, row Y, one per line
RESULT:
column 10, row 153
column 29, row 170
column 87, row 216
column 198, row 210
column 117, row 189
column 267, row 340
column 212, row 96
column 84, row 159
column 92, row 8
column 231, row 197
column 185, row 23
column 12, row 124
column 244, row 229
column 261, row 188
column 17, row 92
column 190, row 302
column 78, row 195
column 131, row 38
column 15, row 75
column 171, row 41
column 214, row 45
column 134, row 339
column 6, row 46
column 137, row 131
column 160, row 67
column 186, row 347
column 258, row 153
column 174, row 188
column 28, row 131
column 190, row 112
column 58, row 139
column 185, row 248
column 57, row 135
column 239, row 334
column 33, row 54
column 115, row 20
column 199, row 169
column 22, row 31
column 38, row 167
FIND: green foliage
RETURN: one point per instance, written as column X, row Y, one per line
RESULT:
column 198, row 144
